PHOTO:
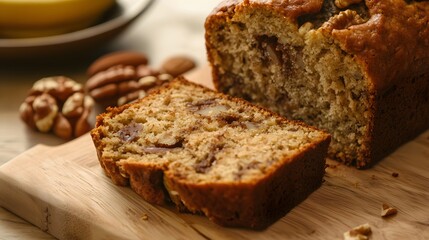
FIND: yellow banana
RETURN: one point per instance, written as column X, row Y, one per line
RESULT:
column 37, row 18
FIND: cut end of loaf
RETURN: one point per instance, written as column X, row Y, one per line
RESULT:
column 187, row 143
column 293, row 67
column 203, row 138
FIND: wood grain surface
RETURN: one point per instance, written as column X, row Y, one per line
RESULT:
column 64, row 191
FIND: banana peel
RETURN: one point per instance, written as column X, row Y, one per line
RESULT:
column 39, row 18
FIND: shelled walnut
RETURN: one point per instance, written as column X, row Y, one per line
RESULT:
column 57, row 104
column 345, row 3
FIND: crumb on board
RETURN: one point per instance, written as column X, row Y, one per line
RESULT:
column 387, row 211
column 361, row 232
column 395, row 174
column 144, row 217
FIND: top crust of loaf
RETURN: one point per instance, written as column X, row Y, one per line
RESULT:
column 355, row 68
column 390, row 42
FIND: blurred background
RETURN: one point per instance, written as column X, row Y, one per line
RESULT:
column 166, row 28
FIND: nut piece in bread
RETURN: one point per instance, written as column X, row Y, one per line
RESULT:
column 357, row 69
column 238, row 164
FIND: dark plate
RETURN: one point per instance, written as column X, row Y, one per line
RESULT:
column 117, row 20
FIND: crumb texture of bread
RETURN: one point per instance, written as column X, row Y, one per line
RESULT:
column 238, row 164
column 359, row 72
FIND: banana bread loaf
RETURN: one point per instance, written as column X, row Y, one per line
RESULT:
column 238, row 164
column 357, row 69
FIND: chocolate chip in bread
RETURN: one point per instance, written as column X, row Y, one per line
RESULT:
column 239, row 164
column 357, row 69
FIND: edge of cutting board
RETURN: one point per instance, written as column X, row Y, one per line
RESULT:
column 64, row 191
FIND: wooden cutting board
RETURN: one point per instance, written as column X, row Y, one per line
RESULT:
column 64, row 191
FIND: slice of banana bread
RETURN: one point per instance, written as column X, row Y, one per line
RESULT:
column 238, row 164
column 357, row 69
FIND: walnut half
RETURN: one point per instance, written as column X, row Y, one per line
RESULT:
column 57, row 104
column 345, row 3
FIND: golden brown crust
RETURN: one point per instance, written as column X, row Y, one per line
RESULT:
column 257, row 204
column 147, row 181
column 291, row 9
column 254, row 204
column 389, row 41
column 390, row 44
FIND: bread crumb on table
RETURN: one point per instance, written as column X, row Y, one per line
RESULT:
column 144, row 217
column 361, row 232
column 387, row 211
